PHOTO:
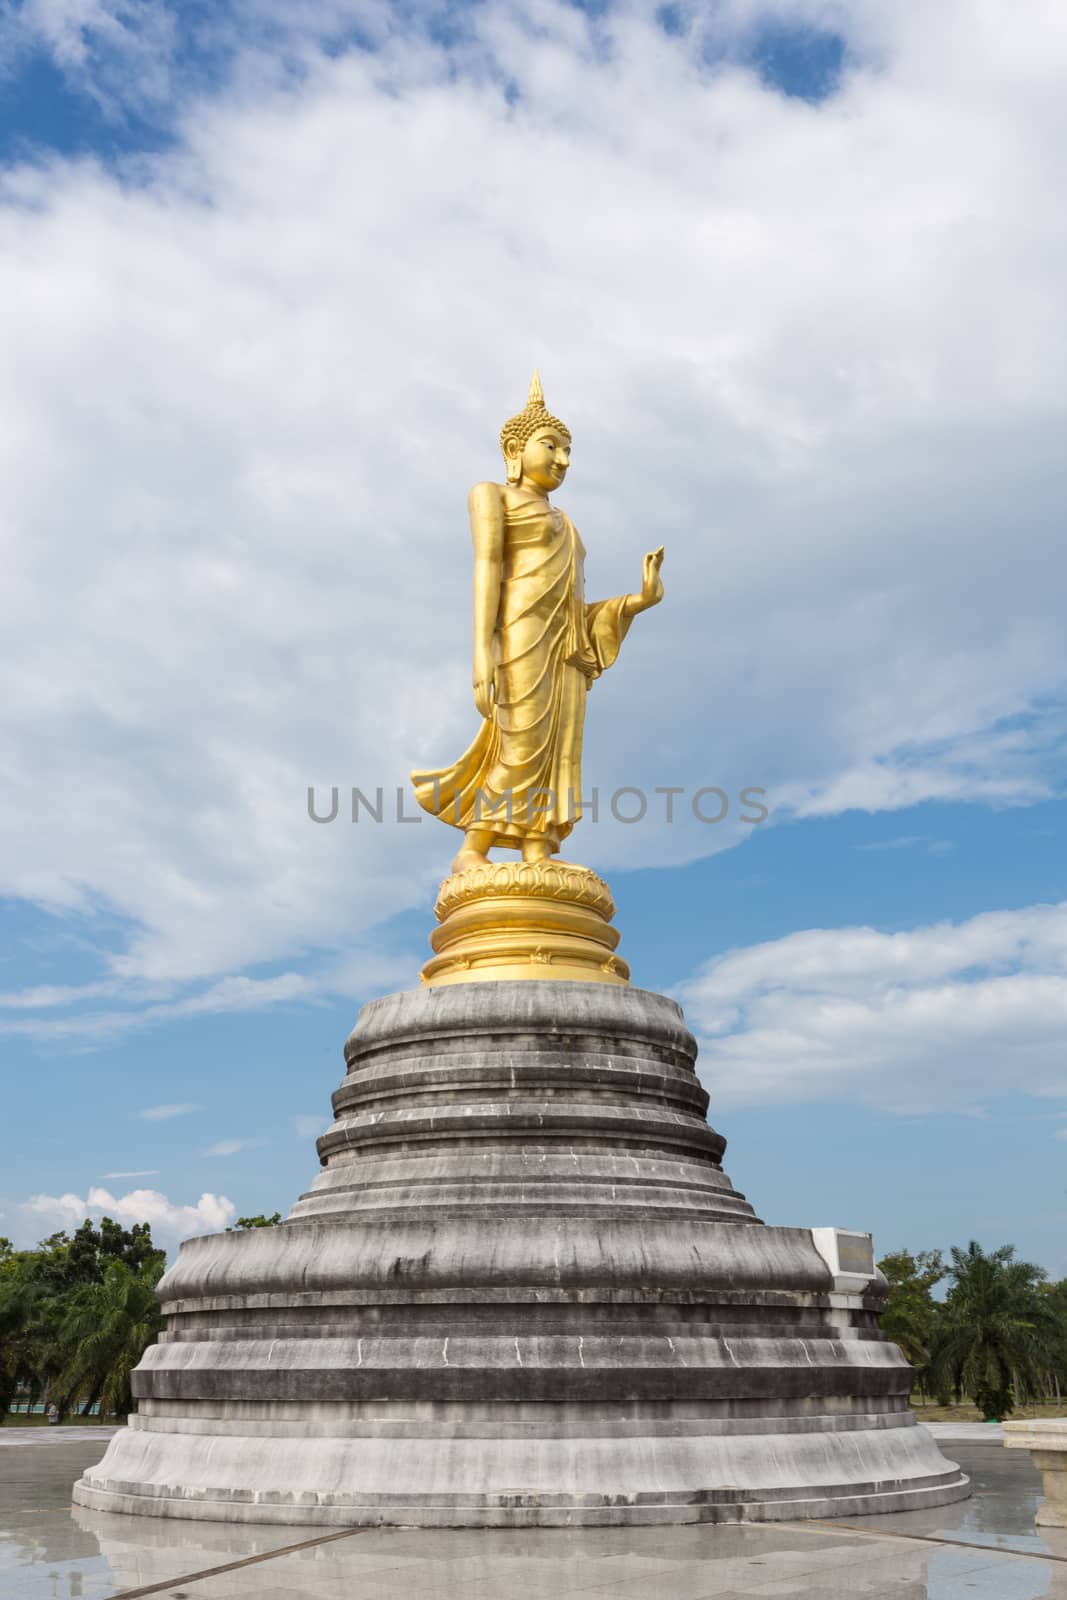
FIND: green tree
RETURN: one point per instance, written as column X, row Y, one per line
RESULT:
column 15, row 1368
column 258, row 1221
column 1056, row 1296
column 911, row 1313
column 997, row 1329
column 106, row 1329
column 38, row 1288
column 92, row 1250
column 28, row 1301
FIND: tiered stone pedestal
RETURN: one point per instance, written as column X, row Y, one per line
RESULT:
column 521, row 1291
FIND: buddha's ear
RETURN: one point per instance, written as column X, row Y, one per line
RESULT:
column 513, row 458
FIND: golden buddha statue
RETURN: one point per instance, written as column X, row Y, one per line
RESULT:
column 538, row 647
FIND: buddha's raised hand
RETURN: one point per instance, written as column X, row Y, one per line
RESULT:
column 651, row 585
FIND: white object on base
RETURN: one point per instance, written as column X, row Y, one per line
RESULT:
column 1046, row 1440
column 850, row 1257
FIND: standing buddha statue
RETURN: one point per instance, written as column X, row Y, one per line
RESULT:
column 538, row 648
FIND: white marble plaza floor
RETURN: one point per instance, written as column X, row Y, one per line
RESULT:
column 985, row 1548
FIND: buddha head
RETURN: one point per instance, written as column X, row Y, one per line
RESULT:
column 536, row 445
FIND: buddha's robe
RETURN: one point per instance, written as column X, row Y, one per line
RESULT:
column 522, row 776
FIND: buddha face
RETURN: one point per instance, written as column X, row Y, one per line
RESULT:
column 545, row 459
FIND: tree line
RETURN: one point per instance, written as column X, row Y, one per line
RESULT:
column 79, row 1311
column 998, row 1336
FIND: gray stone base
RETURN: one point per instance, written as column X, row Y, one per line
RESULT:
column 521, row 1291
column 519, row 1483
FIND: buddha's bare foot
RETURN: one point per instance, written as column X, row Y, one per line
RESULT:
column 533, row 853
column 466, row 860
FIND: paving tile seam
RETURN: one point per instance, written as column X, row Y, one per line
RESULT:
column 809, row 1525
column 235, row 1566
column 929, row 1538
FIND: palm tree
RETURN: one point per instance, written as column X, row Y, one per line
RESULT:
column 995, row 1334
column 104, row 1333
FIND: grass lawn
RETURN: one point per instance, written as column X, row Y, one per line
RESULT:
column 969, row 1413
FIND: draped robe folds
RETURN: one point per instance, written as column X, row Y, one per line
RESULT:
column 522, row 776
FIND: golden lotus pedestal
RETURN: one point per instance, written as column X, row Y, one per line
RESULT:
column 527, row 920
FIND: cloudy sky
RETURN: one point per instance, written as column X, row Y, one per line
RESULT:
column 271, row 277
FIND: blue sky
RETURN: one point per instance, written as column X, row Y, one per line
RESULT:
column 71, row 84
column 270, row 286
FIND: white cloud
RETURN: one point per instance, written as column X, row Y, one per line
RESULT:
column 42, row 996
column 904, row 841
column 309, row 1125
column 118, row 51
column 164, row 1113
column 230, row 1147
column 361, row 974
column 170, row 1222
column 226, row 995
column 145, row 1172
column 937, row 1018
column 817, row 351
column 909, row 841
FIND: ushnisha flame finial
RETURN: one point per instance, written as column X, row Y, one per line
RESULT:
column 534, row 415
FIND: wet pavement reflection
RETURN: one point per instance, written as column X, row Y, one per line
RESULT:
column 985, row 1548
